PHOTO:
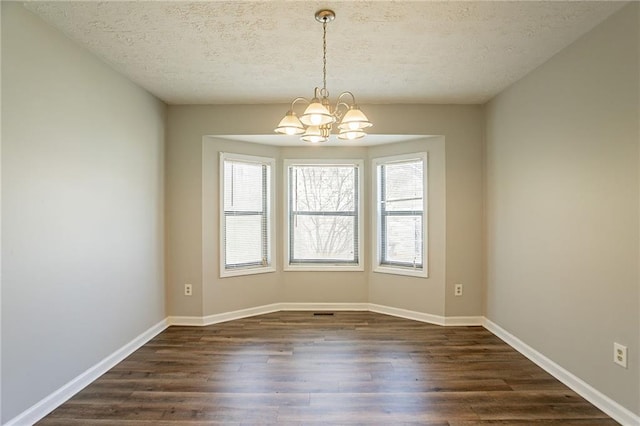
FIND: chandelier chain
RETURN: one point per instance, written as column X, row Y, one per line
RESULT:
column 324, row 55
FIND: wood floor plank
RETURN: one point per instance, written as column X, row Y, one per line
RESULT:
column 294, row 368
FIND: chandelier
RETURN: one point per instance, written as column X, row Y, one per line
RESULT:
column 316, row 122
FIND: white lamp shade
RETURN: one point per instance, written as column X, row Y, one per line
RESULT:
column 290, row 125
column 315, row 134
column 316, row 114
column 354, row 119
column 351, row 134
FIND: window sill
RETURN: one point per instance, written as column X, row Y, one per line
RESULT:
column 247, row 271
column 418, row 273
column 323, row 268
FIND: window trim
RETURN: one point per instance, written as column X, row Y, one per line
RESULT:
column 376, row 225
column 323, row 266
column 270, row 220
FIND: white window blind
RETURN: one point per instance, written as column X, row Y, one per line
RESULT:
column 323, row 208
column 246, row 213
column 401, row 206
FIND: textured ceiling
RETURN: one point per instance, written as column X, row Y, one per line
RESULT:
column 271, row 51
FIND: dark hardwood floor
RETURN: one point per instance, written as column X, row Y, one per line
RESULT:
column 294, row 368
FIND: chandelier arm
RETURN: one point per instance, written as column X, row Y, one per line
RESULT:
column 336, row 111
column 353, row 98
column 340, row 103
column 322, row 93
column 299, row 98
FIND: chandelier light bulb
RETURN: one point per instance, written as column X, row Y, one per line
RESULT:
column 315, row 134
column 290, row 125
column 351, row 134
column 354, row 119
column 316, row 114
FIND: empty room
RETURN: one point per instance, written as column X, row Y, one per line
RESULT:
column 303, row 212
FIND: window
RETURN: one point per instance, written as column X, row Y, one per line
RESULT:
column 246, row 220
column 323, row 223
column 400, row 205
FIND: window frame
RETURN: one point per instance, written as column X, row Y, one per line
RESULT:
column 268, row 220
column 358, row 164
column 379, row 265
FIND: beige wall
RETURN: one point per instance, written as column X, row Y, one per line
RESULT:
column 425, row 295
column 82, row 210
column 323, row 287
column 562, row 207
column 462, row 128
column 231, row 293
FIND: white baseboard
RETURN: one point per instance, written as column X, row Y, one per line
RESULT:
column 57, row 398
column 463, row 321
column 428, row 318
column 186, row 321
column 407, row 314
column 265, row 309
column 243, row 313
column 324, row 306
column 223, row 317
column 292, row 306
column 597, row 398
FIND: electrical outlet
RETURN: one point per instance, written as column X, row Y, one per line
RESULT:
column 188, row 290
column 457, row 290
column 620, row 354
